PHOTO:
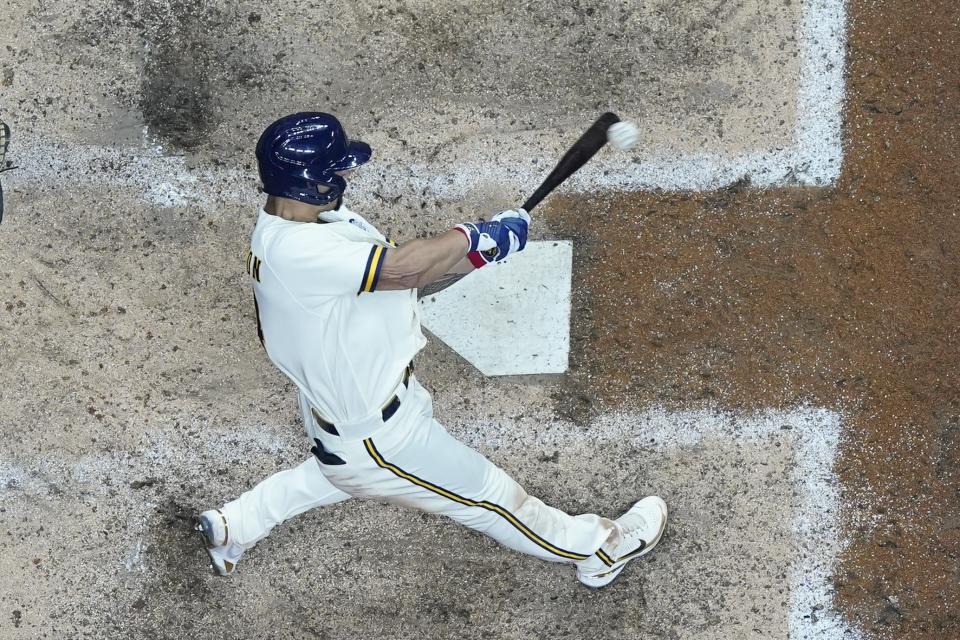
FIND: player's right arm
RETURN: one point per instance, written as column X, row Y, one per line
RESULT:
column 318, row 263
column 418, row 263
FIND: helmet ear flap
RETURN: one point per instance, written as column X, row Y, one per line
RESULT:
column 335, row 185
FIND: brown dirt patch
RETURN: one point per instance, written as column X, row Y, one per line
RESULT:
column 846, row 298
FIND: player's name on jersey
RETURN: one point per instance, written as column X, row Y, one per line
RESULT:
column 253, row 265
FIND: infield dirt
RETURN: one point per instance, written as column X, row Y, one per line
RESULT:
column 136, row 392
column 847, row 298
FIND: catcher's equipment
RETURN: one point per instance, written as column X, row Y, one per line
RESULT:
column 303, row 151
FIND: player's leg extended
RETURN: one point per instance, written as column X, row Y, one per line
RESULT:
column 240, row 524
column 435, row 472
column 277, row 498
column 419, row 464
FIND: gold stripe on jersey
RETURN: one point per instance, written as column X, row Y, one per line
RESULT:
column 482, row 504
column 371, row 274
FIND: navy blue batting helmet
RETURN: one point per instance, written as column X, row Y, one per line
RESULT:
column 302, row 151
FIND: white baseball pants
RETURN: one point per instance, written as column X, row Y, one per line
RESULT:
column 412, row 460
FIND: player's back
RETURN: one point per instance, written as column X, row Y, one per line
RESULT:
column 321, row 319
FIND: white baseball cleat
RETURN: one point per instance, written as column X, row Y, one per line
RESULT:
column 642, row 525
column 224, row 555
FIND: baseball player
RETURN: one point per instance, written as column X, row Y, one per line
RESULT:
column 337, row 313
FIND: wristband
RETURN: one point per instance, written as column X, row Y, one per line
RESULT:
column 466, row 234
column 476, row 259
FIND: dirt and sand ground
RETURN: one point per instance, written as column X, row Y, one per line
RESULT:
column 845, row 298
column 135, row 392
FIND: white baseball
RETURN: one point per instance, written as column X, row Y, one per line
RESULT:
column 623, row 135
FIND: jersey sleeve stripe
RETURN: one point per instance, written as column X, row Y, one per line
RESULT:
column 371, row 274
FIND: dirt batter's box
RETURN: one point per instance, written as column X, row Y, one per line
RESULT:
column 765, row 102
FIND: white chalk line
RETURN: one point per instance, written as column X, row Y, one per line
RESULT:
column 813, row 432
column 813, row 159
column 111, row 474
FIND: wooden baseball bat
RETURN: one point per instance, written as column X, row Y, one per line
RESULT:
column 576, row 156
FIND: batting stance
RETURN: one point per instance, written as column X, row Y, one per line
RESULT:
column 337, row 313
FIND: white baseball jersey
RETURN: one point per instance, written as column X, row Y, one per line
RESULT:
column 322, row 320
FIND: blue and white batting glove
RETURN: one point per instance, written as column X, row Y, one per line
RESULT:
column 494, row 240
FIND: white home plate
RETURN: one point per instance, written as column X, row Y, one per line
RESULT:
column 512, row 317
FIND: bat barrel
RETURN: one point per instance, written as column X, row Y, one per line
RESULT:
column 582, row 150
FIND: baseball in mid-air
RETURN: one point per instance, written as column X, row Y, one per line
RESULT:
column 623, row 135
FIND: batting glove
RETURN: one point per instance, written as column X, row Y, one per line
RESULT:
column 493, row 241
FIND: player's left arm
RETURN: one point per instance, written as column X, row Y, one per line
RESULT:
column 454, row 275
